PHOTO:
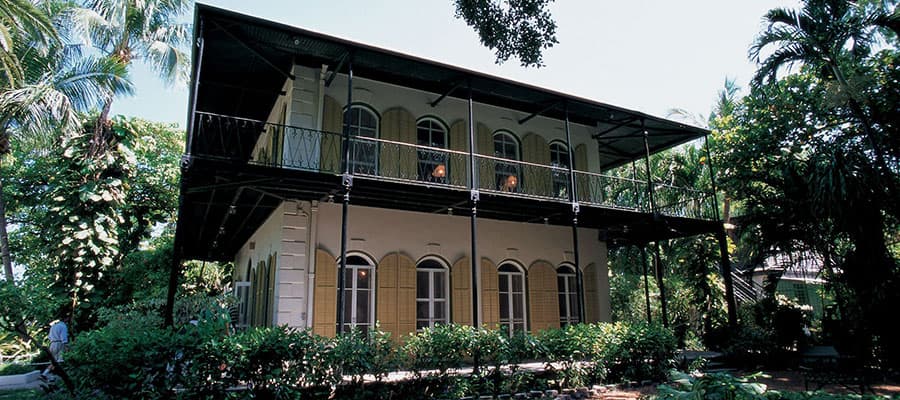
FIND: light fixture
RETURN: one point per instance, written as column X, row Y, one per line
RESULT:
column 510, row 183
column 440, row 171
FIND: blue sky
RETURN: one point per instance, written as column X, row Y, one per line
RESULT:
column 640, row 54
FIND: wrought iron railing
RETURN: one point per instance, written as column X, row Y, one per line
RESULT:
column 290, row 147
column 684, row 202
column 611, row 191
column 500, row 175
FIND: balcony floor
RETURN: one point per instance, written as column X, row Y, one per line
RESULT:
column 224, row 202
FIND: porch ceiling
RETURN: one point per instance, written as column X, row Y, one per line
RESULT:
column 246, row 61
column 225, row 203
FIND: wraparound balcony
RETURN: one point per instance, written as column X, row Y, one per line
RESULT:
column 293, row 148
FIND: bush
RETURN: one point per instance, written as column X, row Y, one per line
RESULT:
column 439, row 348
column 636, row 352
column 364, row 352
column 15, row 369
column 724, row 386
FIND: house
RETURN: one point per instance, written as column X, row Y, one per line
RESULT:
column 351, row 184
column 797, row 275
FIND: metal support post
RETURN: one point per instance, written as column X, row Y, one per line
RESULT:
column 347, row 182
column 725, row 270
column 646, row 282
column 473, row 201
column 573, row 198
column 660, row 273
column 649, row 176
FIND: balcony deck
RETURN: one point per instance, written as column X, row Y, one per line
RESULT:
column 246, row 167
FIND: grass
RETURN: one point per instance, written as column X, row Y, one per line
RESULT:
column 22, row 394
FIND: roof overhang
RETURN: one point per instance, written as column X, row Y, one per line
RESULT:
column 246, row 60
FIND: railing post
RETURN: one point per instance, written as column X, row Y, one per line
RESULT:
column 473, row 201
column 347, row 183
column 712, row 178
column 573, row 199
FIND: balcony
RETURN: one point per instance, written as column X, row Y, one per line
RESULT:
column 264, row 144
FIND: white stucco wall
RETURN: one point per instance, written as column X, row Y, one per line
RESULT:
column 378, row 232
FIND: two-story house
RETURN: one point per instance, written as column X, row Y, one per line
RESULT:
column 351, row 184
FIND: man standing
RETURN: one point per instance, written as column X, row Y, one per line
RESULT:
column 59, row 339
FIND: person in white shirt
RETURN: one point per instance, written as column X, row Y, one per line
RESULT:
column 59, row 340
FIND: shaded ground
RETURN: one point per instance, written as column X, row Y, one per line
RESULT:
column 778, row 380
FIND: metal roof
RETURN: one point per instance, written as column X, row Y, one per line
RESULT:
column 246, row 60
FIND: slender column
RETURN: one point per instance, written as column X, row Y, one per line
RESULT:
column 725, row 270
column 347, row 181
column 473, row 201
column 712, row 178
column 721, row 237
column 175, row 268
column 646, row 282
column 662, row 286
column 573, row 198
column 647, row 161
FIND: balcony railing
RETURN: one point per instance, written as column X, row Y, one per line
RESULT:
column 290, row 147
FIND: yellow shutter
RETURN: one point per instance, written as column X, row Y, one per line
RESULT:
column 325, row 295
column 543, row 296
column 581, row 164
column 395, row 304
column 485, row 146
column 406, row 297
column 397, row 161
column 459, row 164
column 535, row 180
column 490, row 295
column 461, row 294
column 386, row 294
column 270, row 295
column 332, row 124
column 591, row 293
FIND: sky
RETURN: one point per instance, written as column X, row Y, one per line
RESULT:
column 644, row 55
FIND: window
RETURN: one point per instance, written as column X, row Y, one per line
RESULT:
column 431, row 294
column 568, row 295
column 559, row 157
column 506, row 174
column 359, row 294
column 511, row 282
column 433, row 164
column 363, row 153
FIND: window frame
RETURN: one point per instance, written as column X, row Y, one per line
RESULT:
column 514, row 271
column 560, row 179
column 567, row 292
column 358, row 165
column 502, row 170
column 369, row 265
column 437, row 157
column 438, row 267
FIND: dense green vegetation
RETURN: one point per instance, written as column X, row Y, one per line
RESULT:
column 805, row 161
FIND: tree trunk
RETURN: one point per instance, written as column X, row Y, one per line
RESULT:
column 4, row 237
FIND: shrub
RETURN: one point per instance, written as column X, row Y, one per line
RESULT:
column 635, row 352
column 724, row 386
column 439, row 348
column 359, row 352
column 15, row 369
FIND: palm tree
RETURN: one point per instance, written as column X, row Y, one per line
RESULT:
column 21, row 20
column 826, row 35
column 57, row 82
column 129, row 30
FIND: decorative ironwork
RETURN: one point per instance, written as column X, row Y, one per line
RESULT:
column 290, row 147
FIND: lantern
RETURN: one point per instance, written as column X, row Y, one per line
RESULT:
column 440, row 171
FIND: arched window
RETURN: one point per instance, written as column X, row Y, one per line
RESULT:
column 433, row 164
column 511, row 284
column 559, row 157
column 568, row 295
column 359, row 293
column 506, row 175
column 363, row 152
column 432, row 285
